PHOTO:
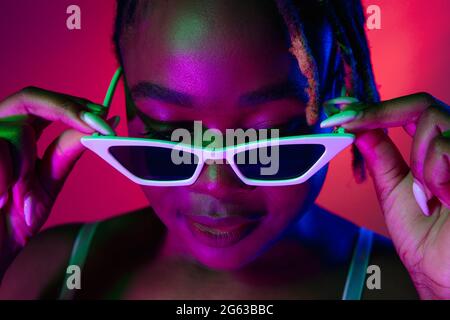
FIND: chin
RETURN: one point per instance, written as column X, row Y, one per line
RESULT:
column 224, row 259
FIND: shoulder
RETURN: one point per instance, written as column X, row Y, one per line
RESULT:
column 119, row 246
column 336, row 238
column 394, row 279
column 39, row 264
column 39, row 269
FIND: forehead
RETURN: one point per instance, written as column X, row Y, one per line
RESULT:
column 190, row 24
column 216, row 51
column 205, row 41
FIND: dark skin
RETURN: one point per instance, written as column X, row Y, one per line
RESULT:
column 220, row 63
column 116, row 251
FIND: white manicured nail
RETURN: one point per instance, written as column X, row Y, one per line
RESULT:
column 341, row 100
column 339, row 119
column 421, row 197
column 28, row 209
column 96, row 107
column 97, row 123
column 3, row 200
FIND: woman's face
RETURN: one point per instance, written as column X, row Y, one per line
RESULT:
column 226, row 64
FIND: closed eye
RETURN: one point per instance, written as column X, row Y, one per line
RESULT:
column 295, row 126
column 163, row 130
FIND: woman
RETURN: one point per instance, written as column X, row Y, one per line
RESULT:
column 232, row 64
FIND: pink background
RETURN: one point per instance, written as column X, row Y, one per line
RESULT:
column 410, row 54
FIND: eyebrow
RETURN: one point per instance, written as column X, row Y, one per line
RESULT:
column 154, row 91
column 277, row 91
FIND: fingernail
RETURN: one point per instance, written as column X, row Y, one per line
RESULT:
column 339, row 119
column 28, row 209
column 96, row 107
column 3, row 200
column 421, row 197
column 97, row 123
column 341, row 100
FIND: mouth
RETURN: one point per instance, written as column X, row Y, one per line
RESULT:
column 220, row 232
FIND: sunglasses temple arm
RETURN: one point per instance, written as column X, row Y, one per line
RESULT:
column 112, row 87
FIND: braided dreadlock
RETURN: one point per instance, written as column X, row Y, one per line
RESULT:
column 347, row 20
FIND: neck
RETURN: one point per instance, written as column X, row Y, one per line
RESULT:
column 286, row 258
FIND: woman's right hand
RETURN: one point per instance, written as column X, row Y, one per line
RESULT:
column 29, row 185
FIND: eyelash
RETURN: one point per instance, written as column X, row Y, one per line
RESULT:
column 293, row 127
column 163, row 135
column 290, row 128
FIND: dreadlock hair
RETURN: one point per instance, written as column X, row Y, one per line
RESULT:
column 346, row 18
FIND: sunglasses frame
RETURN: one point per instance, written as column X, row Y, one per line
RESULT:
column 333, row 143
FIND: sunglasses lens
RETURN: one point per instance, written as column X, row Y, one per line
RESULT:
column 283, row 162
column 155, row 163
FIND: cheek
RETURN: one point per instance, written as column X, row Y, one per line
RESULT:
column 282, row 204
column 161, row 199
column 285, row 203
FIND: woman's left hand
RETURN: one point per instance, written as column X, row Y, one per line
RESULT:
column 415, row 199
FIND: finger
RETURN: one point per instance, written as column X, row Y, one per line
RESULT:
column 58, row 160
column 53, row 106
column 431, row 124
column 6, row 168
column 36, row 192
column 40, row 124
column 437, row 169
column 92, row 107
column 60, row 157
column 21, row 144
column 34, row 205
column 404, row 111
column 384, row 161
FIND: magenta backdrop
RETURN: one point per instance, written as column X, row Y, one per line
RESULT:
column 410, row 53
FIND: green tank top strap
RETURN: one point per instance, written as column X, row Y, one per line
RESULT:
column 354, row 285
column 84, row 238
column 78, row 256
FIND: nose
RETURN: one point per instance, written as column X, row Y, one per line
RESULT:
column 219, row 181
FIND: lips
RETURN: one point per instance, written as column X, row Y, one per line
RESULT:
column 220, row 232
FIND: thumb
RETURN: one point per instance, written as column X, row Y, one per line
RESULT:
column 59, row 159
column 61, row 156
column 384, row 161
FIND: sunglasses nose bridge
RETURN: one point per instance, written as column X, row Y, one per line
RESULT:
column 214, row 154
